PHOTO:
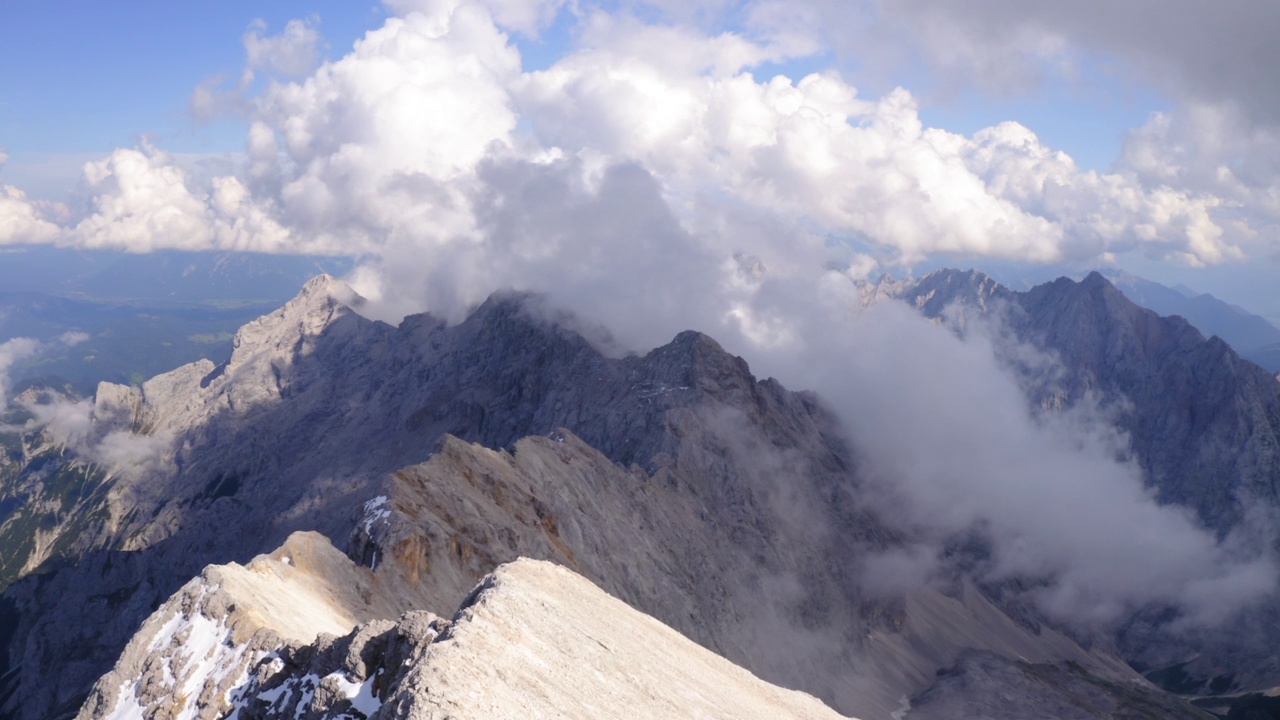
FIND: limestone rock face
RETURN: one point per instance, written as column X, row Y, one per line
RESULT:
column 1204, row 423
column 536, row 640
column 787, row 608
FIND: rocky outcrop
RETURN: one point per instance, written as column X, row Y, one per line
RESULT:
column 193, row 655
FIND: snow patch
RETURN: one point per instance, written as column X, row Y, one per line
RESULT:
column 365, row 701
column 375, row 512
column 198, row 654
column 127, row 707
column 359, row 694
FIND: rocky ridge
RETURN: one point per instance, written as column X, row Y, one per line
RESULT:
column 724, row 506
column 192, row 656
column 1197, row 414
column 295, row 634
column 264, row 446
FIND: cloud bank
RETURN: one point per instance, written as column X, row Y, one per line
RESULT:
column 389, row 144
column 1207, row 53
column 954, row 449
column 72, row 424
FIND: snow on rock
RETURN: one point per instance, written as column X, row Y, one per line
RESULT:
column 375, row 512
column 276, row 641
column 193, row 656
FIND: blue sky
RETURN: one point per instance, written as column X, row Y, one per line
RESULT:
column 1122, row 92
column 86, row 78
column 82, row 79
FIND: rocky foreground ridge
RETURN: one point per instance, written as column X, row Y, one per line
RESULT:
column 724, row 506
column 279, row 639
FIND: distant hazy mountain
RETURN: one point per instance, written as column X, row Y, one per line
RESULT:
column 1250, row 335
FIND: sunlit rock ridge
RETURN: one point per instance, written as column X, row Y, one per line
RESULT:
column 299, row 633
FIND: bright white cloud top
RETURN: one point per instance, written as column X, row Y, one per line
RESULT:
column 403, row 140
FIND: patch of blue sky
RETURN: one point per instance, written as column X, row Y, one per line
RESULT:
column 90, row 76
column 1086, row 115
column 79, row 79
column 551, row 44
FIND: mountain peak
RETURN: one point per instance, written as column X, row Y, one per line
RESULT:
column 946, row 287
column 324, row 288
column 322, row 300
column 697, row 341
column 952, row 275
column 1096, row 279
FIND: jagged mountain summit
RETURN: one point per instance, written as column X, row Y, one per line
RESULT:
column 724, row 506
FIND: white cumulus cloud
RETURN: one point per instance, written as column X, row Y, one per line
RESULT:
column 21, row 220
column 385, row 147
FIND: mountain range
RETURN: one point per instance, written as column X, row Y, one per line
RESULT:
column 1253, row 336
column 283, row 525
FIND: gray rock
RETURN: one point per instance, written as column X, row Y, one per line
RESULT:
column 530, row 640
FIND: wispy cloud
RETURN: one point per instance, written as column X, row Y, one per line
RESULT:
column 17, row 350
